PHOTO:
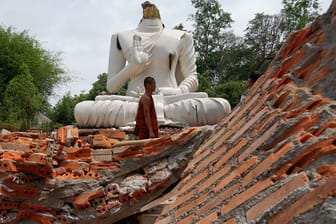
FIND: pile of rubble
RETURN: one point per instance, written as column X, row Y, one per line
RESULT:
column 96, row 178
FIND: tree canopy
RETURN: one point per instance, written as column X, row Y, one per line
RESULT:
column 26, row 71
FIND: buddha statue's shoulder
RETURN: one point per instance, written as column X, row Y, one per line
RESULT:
column 124, row 34
column 179, row 34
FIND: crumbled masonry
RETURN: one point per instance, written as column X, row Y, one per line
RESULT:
column 98, row 178
column 272, row 160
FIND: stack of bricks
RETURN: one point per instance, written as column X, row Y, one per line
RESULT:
column 273, row 159
column 98, row 178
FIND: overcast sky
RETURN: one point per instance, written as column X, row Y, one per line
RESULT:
column 81, row 29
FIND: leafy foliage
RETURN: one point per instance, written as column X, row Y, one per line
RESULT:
column 232, row 90
column 263, row 36
column 297, row 14
column 98, row 86
column 63, row 112
column 22, row 99
column 26, row 71
column 210, row 23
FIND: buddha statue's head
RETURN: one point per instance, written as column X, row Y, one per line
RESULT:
column 150, row 11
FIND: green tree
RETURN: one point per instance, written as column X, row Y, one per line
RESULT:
column 263, row 36
column 20, row 52
column 98, row 86
column 297, row 14
column 22, row 99
column 210, row 24
column 232, row 91
column 63, row 112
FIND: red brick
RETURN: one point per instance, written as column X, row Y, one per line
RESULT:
column 214, row 177
column 181, row 199
column 231, row 221
column 297, row 40
column 321, row 38
column 215, row 137
column 304, row 124
column 246, row 195
column 202, row 148
column 237, row 172
column 213, row 156
column 267, row 163
column 257, row 142
column 317, row 77
column 305, row 136
column 196, row 179
column 310, row 105
column 82, row 200
column 308, row 160
column 277, row 197
column 289, row 63
column 231, row 153
column 327, row 170
column 209, row 219
column 307, row 69
column 260, row 104
column 234, row 128
column 18, row 192
column 293, row 104
column 308, row 156
column 247, row 125
column 218, row 198
column 267, row 83
column 263, row 123
column 245, row 108
column 330, row 124
column 197, row 159
column 306, row 203
column 187, row 220
column 191, row 205
column 230, row 116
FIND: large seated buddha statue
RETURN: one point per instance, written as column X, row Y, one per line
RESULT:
column 168, row 56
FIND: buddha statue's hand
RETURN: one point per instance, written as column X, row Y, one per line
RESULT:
column 167, row 91
column 137, row 68
column 139, row 56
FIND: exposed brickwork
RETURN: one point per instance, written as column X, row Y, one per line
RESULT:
column 272, row 160
column 98, row 178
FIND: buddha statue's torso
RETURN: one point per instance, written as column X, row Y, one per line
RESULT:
column 163, row 48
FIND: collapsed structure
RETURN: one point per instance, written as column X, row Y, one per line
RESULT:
column 272, row 160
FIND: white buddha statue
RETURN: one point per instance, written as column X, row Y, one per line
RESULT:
column 168, row 56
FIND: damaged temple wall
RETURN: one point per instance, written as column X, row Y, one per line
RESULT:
column 273, row 159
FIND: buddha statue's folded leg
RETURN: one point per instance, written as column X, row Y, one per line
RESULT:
column 105, row 113
column 199, row 111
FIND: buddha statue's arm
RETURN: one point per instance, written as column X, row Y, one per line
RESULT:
column 186, row 74
column 118, row 73
column 187, row 61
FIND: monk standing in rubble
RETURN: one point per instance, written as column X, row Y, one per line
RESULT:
column 146, row 120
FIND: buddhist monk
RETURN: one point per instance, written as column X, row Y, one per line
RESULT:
column 146, row 120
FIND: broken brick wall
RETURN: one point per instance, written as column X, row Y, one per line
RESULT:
column 98, row 178
column 273, row 159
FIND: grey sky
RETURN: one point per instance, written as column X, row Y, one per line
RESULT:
column 81, row 29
